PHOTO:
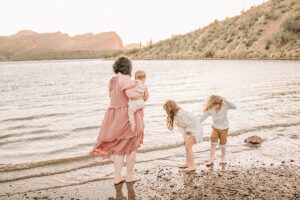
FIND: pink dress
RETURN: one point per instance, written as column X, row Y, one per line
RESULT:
column 116, row 137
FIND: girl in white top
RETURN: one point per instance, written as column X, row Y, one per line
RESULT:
column 190, row 128
column 217, row 108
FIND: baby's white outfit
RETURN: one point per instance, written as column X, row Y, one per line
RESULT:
column 187, row 122
column 140, row 103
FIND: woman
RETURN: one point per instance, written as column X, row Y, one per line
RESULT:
column 116, row 137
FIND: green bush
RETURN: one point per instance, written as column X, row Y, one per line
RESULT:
column 271, row 15
column 209, row 54
column 281, row 38
column 289, row 23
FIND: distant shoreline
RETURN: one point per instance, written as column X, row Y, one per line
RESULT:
column 111, row 59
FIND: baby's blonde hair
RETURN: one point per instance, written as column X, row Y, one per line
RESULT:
column 214, row 101
column 140, row 74
column 171, row 109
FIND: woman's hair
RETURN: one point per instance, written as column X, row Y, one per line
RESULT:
column 140, row 74
column 123, row 65
column 171, row 109
column 214, row 101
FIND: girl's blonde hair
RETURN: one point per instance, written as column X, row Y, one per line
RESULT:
column 171, row 109
column 214, row 101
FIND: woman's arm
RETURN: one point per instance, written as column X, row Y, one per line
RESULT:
column 124, row 81
column 132, row 94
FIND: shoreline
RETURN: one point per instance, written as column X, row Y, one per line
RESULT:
column 248, row 175
column 160, row 59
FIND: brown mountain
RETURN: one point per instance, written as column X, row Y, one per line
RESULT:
column 29, row 45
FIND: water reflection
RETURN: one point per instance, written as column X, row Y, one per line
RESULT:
column 119, row 192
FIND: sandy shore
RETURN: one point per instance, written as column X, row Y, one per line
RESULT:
column 245, row 177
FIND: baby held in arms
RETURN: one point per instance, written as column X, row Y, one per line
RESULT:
column 135, row 104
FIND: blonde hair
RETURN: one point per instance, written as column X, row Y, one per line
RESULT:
column 140, row 74
column 171, row 109
column 214, row 101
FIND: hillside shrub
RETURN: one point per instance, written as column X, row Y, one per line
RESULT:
column 268, row 44
column 281, row 38
column 271, row 15
column 291, row 24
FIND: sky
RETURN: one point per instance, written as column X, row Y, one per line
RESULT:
column 134, row 20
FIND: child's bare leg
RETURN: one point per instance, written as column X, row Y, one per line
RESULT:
column 142, row 113
column 131, row 118
column 189, row 142
column 223, row 153
column 212, row 154
column 185, row 165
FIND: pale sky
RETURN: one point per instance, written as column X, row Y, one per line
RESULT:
column 134, row 20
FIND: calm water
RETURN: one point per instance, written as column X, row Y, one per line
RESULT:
column 50, row 111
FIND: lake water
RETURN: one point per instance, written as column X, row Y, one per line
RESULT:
column 51, row 111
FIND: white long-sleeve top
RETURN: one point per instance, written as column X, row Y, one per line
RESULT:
column 220, row 120
column 187, row 122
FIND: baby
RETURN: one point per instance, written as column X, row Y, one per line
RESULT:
column 137, row 103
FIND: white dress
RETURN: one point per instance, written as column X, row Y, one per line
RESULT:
column 187, row 122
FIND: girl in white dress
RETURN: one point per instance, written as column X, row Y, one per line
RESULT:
column 190, row 128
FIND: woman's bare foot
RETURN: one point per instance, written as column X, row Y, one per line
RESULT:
column 132, row 178
column 118, row 181
column 183, row 166
column 189, row 169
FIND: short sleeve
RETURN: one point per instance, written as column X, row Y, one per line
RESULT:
column 125, row 82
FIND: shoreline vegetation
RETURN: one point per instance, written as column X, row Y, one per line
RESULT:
column 268, row 31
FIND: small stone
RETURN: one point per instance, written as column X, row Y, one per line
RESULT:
column 253, row 140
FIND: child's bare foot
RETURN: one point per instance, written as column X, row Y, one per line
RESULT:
column 118, row 181
column 183, row 166
column 223, row 162
column 189, row 169
column 132, row 178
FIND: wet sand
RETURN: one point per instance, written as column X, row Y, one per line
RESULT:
column 248, row 175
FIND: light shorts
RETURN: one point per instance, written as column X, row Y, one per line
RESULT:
column 198, row 136
column 217, row 135
column 136, row 104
